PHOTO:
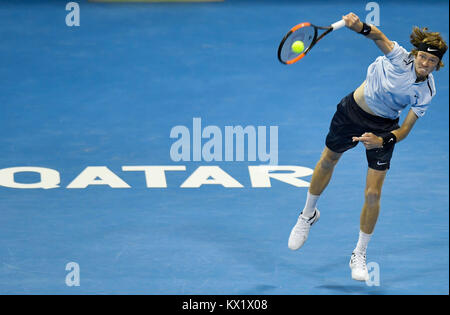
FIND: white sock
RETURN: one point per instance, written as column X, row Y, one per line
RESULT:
column 363, row 241
column 310, row 206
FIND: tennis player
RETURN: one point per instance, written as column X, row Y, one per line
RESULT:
column 370, row 115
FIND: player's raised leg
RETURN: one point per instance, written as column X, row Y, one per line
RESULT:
column 310, row 214
column 368, row 220
column 323, row 171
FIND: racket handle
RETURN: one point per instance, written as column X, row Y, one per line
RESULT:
column 338, row 25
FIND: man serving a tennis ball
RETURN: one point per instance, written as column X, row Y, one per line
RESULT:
column 370, row 115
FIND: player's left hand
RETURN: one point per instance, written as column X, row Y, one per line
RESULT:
column 369, row 140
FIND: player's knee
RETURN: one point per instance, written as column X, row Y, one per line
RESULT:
column 328, row 162
column 372, row 196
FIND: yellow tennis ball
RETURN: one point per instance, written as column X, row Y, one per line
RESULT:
column 297, row 46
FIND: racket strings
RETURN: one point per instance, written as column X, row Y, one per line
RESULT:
column 305, row 34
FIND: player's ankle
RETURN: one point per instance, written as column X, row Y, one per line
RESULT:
column 310, row 205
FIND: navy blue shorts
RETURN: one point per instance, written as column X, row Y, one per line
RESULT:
column 351, row 121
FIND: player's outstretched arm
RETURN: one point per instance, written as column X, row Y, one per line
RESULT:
column 352, row 22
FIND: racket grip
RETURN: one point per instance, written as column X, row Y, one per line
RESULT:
column 338, row 25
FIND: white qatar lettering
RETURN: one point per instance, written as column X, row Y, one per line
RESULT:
column 156, row 176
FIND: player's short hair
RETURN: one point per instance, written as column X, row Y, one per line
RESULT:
column 419, row 36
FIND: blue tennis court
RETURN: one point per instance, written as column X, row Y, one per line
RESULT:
column 86, row 104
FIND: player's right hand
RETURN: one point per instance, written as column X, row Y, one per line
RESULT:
column 352, row 22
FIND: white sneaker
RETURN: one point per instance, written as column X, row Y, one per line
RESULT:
column 300, row 232
column 358, row 266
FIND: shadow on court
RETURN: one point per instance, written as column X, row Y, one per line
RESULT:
column 352, row 289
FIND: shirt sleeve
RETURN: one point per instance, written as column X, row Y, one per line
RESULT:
column 420, row 110
column 421, row 107
column 398, row 57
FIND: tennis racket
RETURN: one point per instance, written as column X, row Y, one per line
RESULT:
column 308, row 34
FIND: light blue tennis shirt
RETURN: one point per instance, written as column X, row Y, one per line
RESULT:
column 391, row 85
